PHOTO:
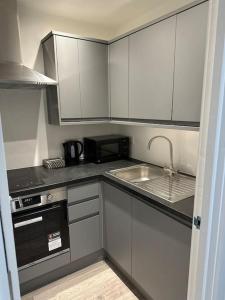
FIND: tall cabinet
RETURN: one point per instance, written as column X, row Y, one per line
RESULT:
column 80, row 66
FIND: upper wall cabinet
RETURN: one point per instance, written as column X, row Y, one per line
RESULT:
column 189, row 63
column 80, row 67
column 118, row 77
column 155, row 74
column 93, row 59
column 151, row 57
column 68, row 77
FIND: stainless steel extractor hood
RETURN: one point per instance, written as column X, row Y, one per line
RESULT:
column 13, row 74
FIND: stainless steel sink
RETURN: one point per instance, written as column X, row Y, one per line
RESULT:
column 155, row 181
column 137, row 173
column 171, row 188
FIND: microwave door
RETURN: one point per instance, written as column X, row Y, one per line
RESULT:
column 109, row 150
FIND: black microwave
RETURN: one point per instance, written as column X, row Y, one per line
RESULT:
column 105, row 148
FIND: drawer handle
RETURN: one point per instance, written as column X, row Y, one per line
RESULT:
column 31, row 221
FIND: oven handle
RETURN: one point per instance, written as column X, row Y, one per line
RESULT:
column 31, row 221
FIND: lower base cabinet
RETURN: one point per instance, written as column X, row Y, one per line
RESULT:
column 85, row 219
column 84, row 237
column 117, row 229
column 160, row 253
column 151, row 247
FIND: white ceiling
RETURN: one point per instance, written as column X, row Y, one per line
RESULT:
column 110, row 13
column 114, row 16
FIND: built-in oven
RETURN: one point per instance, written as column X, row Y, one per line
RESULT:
column 100, row 149
column 40, row 226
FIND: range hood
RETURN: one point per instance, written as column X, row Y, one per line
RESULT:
column 13, row 74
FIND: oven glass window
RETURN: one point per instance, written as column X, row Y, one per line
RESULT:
column 109, row 149
column 36, row 233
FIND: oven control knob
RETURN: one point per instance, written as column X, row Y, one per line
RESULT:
column 50, row 197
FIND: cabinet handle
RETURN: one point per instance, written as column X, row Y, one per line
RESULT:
column 31, row 221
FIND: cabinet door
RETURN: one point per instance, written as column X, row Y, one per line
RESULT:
column 68, row 77
column 160, row 253
column 117, row 226
column 151, row 67
column 118, row 77
column 189, row 63
column 84, row 237
column 93, row 59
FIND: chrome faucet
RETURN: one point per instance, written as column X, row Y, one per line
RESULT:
column 169, row 170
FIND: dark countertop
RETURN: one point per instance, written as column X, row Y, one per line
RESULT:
column 39, row 179
column 42, row 178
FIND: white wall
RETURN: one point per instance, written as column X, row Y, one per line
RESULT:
column 34, row 26
column 27, row 135
column 29, row 138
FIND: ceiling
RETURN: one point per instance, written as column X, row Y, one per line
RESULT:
column 109, row 13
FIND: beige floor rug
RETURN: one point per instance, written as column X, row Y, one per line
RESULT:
column 96, row 282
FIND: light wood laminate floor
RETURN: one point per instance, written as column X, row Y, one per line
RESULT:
column 96, row 282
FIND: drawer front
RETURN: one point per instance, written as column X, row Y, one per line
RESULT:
column 82, row 192
column 44, row 267
column 83, row 209
column 84, row 237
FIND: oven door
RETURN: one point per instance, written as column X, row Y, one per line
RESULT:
column 108, row 151
column 40, row 232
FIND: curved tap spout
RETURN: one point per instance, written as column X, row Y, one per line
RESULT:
column 171, row 168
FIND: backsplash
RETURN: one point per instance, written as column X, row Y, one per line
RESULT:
column 185, row 146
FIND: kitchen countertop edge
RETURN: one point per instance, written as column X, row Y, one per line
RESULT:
column 170, row 209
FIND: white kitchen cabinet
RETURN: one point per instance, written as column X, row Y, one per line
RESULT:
column 151, row 67
column 118, row 78
column 189, row 63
